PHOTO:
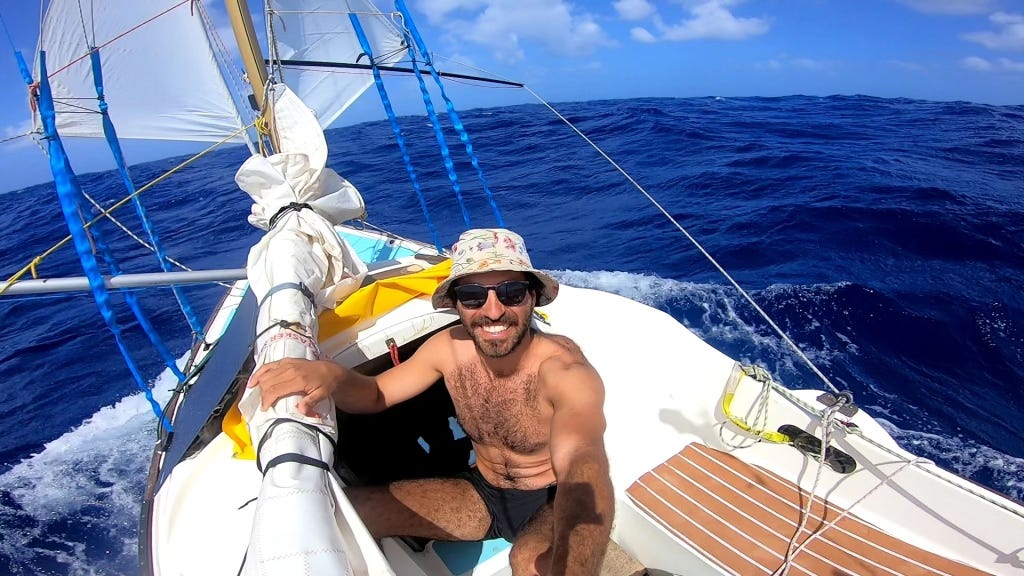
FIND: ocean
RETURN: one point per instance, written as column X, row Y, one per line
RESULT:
column 884, row 236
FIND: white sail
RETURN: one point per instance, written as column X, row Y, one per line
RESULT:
column 319, row 31
column 160, row 75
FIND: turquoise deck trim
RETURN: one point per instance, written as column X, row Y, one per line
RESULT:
column 461, row 557
column 371, row 250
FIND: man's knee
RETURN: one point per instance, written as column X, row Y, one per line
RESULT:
column 530, row 557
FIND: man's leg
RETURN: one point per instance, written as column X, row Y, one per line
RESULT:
column 438, row 508
column 531, row 551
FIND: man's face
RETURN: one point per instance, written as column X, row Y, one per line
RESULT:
column 496, row 328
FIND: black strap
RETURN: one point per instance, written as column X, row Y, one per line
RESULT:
column 297, row 458
column 277, row 459
column 287, row 286
column 292, row 206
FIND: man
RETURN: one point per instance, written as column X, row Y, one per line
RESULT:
column 531, row 404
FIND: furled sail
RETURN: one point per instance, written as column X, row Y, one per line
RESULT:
column 300, row 267
column 161, row 76
column 314, row 37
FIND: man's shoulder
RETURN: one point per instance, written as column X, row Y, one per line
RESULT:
column 562, row 347
column 561, row 354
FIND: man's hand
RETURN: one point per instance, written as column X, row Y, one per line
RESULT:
column 314, row 379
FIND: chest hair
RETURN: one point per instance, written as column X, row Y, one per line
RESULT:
column 500, row 412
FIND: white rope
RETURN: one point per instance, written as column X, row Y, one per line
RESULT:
column 888, row 478
column 805, row 512
column 916, row 461
column 132, row 234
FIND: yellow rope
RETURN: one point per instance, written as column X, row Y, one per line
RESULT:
column 31, row 266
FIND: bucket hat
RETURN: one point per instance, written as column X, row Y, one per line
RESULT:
column 489, row 250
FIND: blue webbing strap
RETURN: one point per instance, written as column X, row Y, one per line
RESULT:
column 70, row 195
column 104, row 247
column 449, row 105
column 358, row 28
column 25, row 74
column 449, row 166
column 147, row 224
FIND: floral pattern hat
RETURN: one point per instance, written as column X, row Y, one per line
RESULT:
column 488, row 250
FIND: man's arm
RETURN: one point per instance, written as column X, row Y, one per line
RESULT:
column 584, row 503
column 353, row 392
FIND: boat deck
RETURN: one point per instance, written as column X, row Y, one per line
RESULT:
column 743, row 517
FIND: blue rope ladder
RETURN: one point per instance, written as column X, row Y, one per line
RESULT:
column 415, row 44
column 161, row 254
column 69, row 192
column 449, row 105
column 395, row 127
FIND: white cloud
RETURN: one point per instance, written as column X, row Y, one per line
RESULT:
column 711, row 19
column 998, row 65
column 1008, row 36
column 438, row 11
column 951, row 6
column 801, row 63
column 908, row 65
column 505, row 26
column 975, row 63
column 809, row 64
column 633, row 10
column 641, row 34
column 1011, row 65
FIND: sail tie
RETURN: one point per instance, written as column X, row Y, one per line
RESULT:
column 290, row 207
column 291, row 457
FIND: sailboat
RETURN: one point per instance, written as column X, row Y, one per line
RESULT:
column 717, row 468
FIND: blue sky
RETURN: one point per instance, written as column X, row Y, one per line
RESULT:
column 587, row 49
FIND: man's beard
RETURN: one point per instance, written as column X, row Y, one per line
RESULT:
column 507, row 345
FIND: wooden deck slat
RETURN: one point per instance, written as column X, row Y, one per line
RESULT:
column 744, row 517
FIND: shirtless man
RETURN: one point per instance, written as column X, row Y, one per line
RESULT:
column 530, row 402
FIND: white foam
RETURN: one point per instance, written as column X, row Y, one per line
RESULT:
column 964, row 457
column 719, row 321
column 94, row 474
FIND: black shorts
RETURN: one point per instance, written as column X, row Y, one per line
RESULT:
column 510, row 508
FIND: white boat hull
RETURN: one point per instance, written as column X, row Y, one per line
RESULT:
column 665, row 389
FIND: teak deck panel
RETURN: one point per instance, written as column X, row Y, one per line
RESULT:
column 744, row 517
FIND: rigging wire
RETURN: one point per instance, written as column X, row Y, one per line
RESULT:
column 694, row 241
column 131, row 234
column 104, row 213
column 396, row 130
column 449, row 106
column 12, row 138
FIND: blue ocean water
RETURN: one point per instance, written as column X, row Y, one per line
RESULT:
column 885, row 236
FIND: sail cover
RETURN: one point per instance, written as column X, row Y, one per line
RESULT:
column 313, row 35
column 160, row 75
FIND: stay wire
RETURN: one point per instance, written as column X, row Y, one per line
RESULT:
column 694, row 241
column 105, row 213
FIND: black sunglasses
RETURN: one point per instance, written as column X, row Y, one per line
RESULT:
column 510, row 293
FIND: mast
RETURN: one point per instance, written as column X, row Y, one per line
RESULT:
column 252, row 57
